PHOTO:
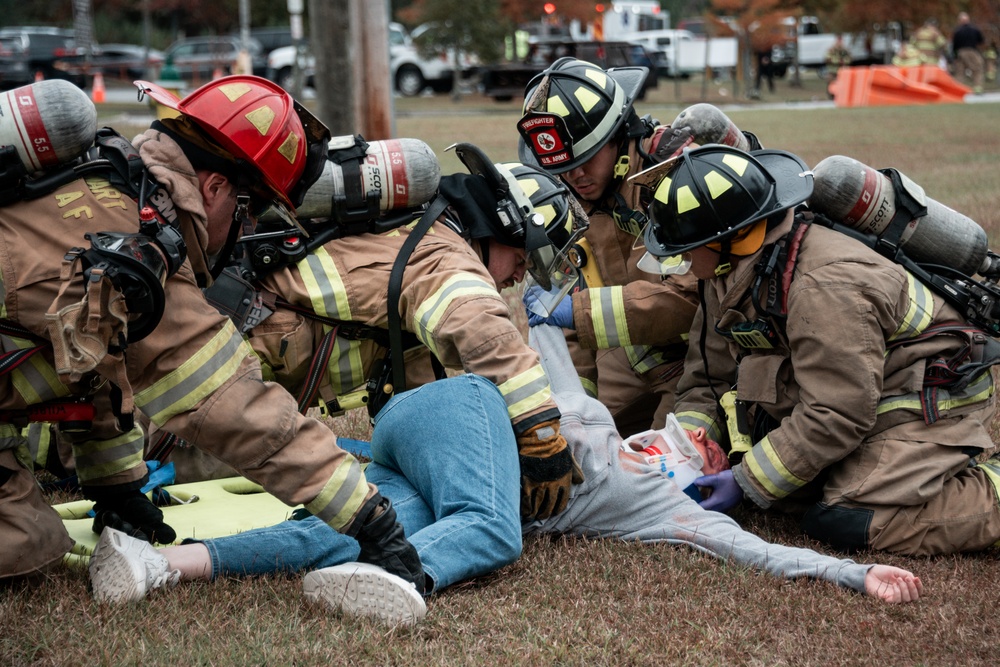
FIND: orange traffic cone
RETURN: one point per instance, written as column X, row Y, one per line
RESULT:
column 39, row 76
column 97, row 94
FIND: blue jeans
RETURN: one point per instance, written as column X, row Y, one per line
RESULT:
column 445, row 455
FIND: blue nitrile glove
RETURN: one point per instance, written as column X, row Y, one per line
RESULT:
column 726, row 493
column 562, row 316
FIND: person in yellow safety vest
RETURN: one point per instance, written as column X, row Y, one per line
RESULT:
column 627, row 335
column 908, row 55
column 990, row 56
column 448, row 446
column 837, row 56
column 139, row 332
column 930, row 42
column 865, row 395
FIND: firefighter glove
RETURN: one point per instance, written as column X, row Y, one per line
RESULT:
column 124, row 507
column 561, row 315
column 548, row 469
column 384, row 544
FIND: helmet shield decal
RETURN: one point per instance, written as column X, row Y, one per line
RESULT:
column 548, row 137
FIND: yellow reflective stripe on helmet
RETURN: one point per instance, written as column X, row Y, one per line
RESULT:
column 101, row 458
column 589, row 386
column 328, row 296
column 556, row 105
column 692, row 420
column 766, row 467
column 920, row 311
column 977, row 391
column 525, row 391
column 588, row 99
column 430, row 311
column 342, row 495
column 204, row 372
column 603, row 129
column 607, row 306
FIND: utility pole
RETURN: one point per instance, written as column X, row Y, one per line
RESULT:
column 350, row 45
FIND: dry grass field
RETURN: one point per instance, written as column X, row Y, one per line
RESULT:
column 575, row 602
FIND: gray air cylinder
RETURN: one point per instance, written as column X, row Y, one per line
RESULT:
column 48, row 123
column 405, row 173
column 710, row 126
column 854, row 194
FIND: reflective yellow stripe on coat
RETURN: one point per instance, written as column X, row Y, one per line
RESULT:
column 329, row 298
column 202, row 374
column 608, row 313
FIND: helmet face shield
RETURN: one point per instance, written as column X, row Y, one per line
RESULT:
column 555, row 272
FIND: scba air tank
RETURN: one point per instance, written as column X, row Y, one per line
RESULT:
column 710, row 126
column 404, row 172
column 854, row 194
column 48, row 123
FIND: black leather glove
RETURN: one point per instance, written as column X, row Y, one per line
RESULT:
column 124, row 507
column 384, row 544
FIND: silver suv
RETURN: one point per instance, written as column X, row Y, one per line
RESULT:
column 197, row 58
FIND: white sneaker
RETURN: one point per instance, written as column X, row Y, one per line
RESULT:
column 124, row 569
column 365, row 590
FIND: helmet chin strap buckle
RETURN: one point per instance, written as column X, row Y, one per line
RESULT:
column 622, row 166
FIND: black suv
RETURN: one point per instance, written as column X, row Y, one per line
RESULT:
column 27, row 50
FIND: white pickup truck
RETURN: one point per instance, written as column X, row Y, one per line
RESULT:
column 875, row 47
column 411, row 73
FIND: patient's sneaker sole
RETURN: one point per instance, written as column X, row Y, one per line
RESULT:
column 365, row 590
column 125, row 569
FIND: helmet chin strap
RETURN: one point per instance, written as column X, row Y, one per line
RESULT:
column 724, row 266
column 242, row 223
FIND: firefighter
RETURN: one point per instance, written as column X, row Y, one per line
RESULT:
column 855, row 390
column 930, row 42
column 453, row 465
column 579, row 122
column 138, row 332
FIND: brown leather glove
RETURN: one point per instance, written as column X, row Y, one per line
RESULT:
column 548, row 468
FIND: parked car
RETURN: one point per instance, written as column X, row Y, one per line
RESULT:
column 507, row 81
column 281, row 63
column 14, row 70
column 40, row 47
column 197, row 58
column 124, row 61
column 411, row 72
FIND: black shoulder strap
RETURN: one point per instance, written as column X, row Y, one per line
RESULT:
column 436, row 208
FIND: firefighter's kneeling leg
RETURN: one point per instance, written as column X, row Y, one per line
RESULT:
column 32, row 533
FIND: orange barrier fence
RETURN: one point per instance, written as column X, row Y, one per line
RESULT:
column 883, row 85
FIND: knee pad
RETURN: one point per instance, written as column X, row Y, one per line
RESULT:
column 843, row 528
